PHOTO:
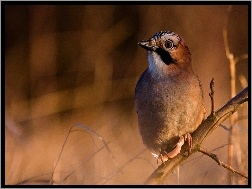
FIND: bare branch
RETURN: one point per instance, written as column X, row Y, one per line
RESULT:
column 205, row 128
column 221, row 163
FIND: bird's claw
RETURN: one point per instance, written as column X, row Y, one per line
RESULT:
column 164, row 156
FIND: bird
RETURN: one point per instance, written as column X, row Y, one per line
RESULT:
column 168, row 96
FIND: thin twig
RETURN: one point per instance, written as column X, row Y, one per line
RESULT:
column 81, row 164
column 35, row 179
column 224, row 127
column 221, row 163
column 91, row 131
column 196, row 159
column 129, row 161
column 211, row 94
column 51, row 180
column 104, row 142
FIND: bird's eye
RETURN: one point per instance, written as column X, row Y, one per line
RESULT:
column 169, row 44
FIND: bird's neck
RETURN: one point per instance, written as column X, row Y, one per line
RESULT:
column 155, row 65
column 159, row 69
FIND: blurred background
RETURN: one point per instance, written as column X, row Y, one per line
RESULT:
column 68, row 65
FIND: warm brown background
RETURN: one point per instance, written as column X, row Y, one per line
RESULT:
column 79, row 64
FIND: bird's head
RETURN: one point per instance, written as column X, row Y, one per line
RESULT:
column 167, row 49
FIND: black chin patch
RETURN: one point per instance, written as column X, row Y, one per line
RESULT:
column 165, row 56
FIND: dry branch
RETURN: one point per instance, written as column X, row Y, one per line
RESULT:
column 205, row 128
column 221, row 163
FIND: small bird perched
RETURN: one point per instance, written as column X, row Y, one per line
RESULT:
column 168, row 96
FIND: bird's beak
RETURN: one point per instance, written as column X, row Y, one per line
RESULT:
column 147, row 45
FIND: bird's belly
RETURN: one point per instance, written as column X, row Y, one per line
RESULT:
column 162, row 118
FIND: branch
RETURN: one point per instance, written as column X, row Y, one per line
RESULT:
column 205, row 128
column 211, row 94
column 221, row 163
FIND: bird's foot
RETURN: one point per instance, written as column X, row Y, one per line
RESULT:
column 188, row 138
column 164, row 156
